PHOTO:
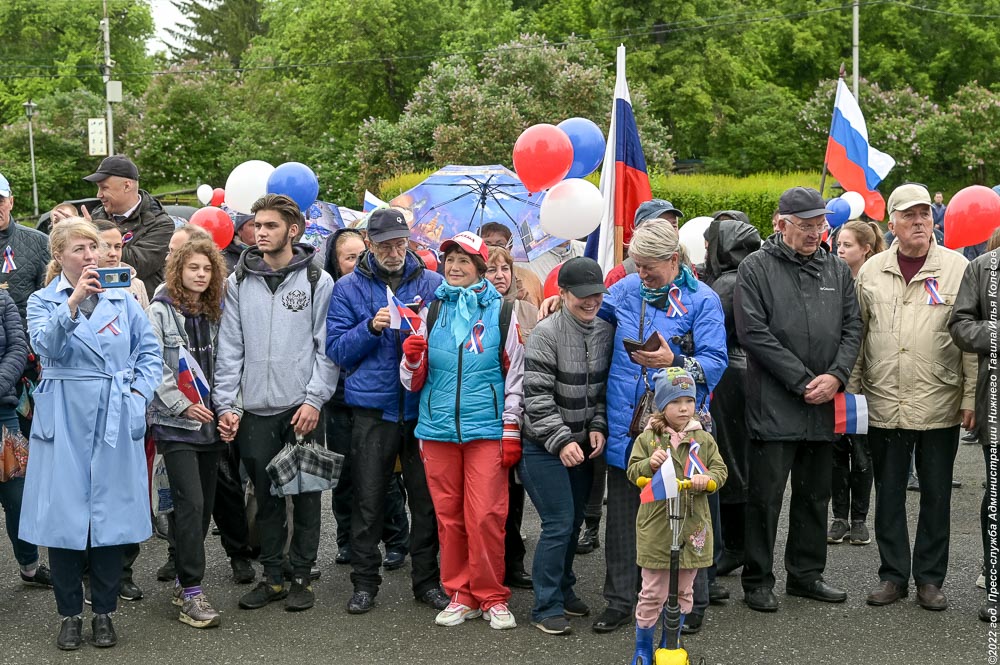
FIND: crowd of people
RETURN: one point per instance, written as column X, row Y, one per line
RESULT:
column 452, row 394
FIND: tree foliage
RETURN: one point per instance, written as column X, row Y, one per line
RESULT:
column 216, row 28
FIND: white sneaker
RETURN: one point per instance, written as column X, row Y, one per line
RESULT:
column 500, row 617
column 455, row 614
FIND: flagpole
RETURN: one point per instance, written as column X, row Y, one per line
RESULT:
column 836, row 98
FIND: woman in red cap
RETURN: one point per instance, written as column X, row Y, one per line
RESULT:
column 467, row 361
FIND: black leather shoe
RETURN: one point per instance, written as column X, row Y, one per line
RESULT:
column 393, row 560
column 160, row 526
column 817, row 590
column 589, row 541
column 435, row 598
column 343, row 555
column 717, row 593
column 104, row 635
column 517, row 578
column 729, row 563
column 168, row 571
column 692, row 624
column 360, row 602
column 611, row 620
column 761, row 599
column 70, row 633
column 130, row 591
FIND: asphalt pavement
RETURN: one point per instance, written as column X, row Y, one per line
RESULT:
column 399, row 630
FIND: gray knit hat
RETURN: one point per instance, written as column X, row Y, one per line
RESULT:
column 672, row 383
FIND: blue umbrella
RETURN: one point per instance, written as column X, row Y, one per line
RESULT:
column 463, row 198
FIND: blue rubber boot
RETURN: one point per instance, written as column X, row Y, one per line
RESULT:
column 643, row 645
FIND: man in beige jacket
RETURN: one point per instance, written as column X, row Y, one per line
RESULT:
column 920, row 388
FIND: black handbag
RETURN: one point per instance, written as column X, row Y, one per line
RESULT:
column 644, row 408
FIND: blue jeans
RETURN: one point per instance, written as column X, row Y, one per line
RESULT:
column 10, row 498
column 560, row 497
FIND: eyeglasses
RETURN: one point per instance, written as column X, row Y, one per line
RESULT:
column 392, row 246
column 809, row 229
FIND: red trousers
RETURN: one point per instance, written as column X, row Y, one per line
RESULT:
column 469, row 490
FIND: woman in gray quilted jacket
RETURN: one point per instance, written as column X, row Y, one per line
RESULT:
column 565, row 427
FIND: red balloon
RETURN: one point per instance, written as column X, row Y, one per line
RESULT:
column 551, row 287
column 218, row 224
column 971, row 216
column 218, row 197
column 543, row 155
column 430, row 259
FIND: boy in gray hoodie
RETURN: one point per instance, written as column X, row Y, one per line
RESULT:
column 271, row 381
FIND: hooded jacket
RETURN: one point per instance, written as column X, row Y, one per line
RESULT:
column 332, row 267
column 146, row 234
column 13, row 351
column 371, row 360
column 729, row 242
column 797, row 317
column 270, row 351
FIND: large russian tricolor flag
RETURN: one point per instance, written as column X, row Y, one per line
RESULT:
column 624, row 181
column 858, row 166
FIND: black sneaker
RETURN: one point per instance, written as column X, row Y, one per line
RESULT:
column 575, row 608
column 130, row 591
column 557, row 625
column 168, row 571
column 343, row 556
column 839, row 529
column 589, row 540
column 360, row 602
column 859, row 533
column 41, row 578
column 436, row 598
column 394, row 559
column 243, row 572
column 261, row 595
column 300, row 596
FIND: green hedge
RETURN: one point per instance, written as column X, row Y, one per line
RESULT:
column 697, row 195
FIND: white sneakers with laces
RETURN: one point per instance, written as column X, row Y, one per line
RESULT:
column 455, row 614
column 500, row 617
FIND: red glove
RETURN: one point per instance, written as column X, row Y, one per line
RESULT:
column 510, row 445
column 414, row 348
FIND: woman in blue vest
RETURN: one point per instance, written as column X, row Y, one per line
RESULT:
column 469, row 374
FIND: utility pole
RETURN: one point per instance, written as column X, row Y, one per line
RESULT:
column 857, row 20
column 108, row 64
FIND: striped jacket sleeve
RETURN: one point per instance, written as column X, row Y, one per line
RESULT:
column 540, row 369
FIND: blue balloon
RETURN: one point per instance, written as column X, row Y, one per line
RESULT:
column 841, row 212
column 588, row 146
column 296, row 181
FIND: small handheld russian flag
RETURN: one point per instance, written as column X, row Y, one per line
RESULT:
column 663, row 484
column 191, row 379
column 400, row 313
column 694, row 464
column 850, row 414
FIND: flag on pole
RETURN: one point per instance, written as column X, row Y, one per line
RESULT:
column 191, row 379
column 663, row 484
column 624, row 181
column 850, row 414
column 372, row 202
column 849, row 157
column 401, row 317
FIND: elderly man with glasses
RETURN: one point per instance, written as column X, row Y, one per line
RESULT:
column 360, row 339
column 797, row 318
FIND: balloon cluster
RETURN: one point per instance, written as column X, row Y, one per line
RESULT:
column 848, row 206
column 557, row 158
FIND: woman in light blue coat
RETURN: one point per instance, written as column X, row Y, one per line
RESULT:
column 86, row 481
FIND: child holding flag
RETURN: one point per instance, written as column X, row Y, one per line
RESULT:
column 185, row 317
column 673, row 446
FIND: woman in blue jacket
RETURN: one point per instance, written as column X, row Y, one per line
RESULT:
column 86, row 481
column 469, row 374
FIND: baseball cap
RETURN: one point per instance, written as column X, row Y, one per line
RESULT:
column 469, row 243
column 118, row 165
column 653, row 209
column 908, row 195
column 582, row 277
column 387, row 224
column 4, row 186
column 804, row 202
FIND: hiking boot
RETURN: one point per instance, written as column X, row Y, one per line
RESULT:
column 300, row 596
column 589, row 540
column 196, row 612
column 839, row 529
column 41, row 578
column 455, row 614
column 262, row 594
column 859, row 533
column 243, row 572
column 500, row 617
column 557, row 625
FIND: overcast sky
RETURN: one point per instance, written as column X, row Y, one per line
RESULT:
column 165, row 15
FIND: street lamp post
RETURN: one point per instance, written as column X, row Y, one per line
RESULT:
column 29, row 110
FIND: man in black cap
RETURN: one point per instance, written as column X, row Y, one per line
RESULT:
column 797, row 317
column 360, row 339
column 146, row 228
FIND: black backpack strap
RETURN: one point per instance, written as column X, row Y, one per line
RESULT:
column 432, row 313
column 313, row 273
column 506, row 312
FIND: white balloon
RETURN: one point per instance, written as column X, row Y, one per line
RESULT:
column 571, row 209
column 205, row 194
column 692, row 236
column 857, row 203
column 246, row 184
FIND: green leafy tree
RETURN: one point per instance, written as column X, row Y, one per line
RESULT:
column 216, row 28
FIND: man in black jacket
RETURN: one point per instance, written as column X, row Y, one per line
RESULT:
column 146, row 228
column 797, row 318
column 25, row 254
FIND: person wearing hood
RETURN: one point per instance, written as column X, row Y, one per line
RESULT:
column 272, row 379
column 359, row 339
column 652, row 209
column 243, row 237
column 797, row 318
column 344, row 248
column 469, row 372
column 730, row 239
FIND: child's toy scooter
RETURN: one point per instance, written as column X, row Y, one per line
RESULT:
column 670, row 651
